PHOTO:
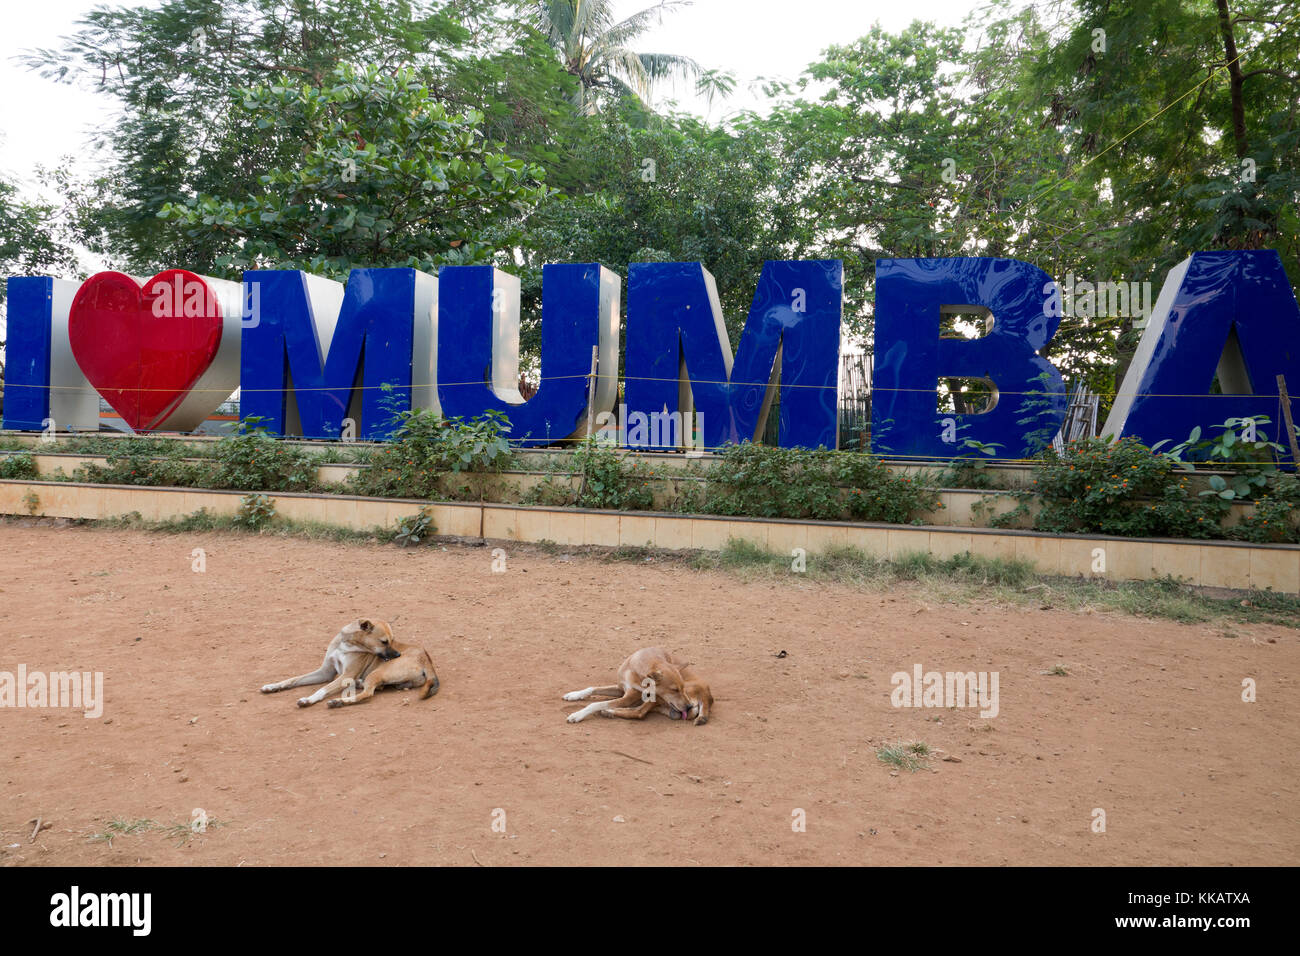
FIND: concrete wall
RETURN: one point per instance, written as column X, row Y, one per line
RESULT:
column 1220, row 564
column 961, row 508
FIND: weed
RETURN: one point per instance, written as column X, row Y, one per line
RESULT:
column 905, row 756
column 413, row 528
column 255, row 511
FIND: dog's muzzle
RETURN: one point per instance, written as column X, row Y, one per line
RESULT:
column 388, row 654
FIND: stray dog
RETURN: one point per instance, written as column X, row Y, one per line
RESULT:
column 651, row 679
column 362, row 658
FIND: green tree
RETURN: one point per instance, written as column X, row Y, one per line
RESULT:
column 33, row 241
column 677, row 190
column 912, row 147
column 33, row 237
column 1185, row 116
column 594, row 48
column 1189, row 112
column 389, row 176
column 177, row 71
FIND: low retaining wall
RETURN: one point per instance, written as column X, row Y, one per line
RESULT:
column 1221, row 564
column 961, row 507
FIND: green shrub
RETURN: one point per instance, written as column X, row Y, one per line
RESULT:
column 874, row 493
column 17, row 467
column 394, row 472
column 764, row 481
column 1276, row 516
column 1121, row 488
column 253, row 460
column 426, row 448
column 255, row 512
column 608, row 481
column 1230, row 447
column 413, row 528
column 970, row 471
column 146, row 461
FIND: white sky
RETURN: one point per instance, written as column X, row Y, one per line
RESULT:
column 774, row 39
column 40, row 121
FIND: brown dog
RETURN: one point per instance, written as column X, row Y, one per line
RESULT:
column 651, row 679
column 362, row 658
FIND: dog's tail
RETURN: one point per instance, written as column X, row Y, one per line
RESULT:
column 431, row 685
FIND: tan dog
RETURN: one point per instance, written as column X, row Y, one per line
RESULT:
column 651, row 679
column 362, row 658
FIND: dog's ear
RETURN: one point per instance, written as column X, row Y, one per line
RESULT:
column 366, row 625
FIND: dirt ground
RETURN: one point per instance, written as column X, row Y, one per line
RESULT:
column 1148, row 725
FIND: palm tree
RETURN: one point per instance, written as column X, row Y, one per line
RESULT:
column 595, row 48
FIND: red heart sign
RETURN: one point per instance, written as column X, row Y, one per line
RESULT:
column 143, row 349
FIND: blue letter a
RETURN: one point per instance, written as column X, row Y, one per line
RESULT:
column 1227, row 313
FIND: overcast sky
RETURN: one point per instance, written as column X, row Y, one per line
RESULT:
column 41, row 121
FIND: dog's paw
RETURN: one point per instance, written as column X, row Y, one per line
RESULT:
column 336, row 702
column 575, row 717
column 576, row 695
column 701, row 721
column 269, row 688
column 304, row 701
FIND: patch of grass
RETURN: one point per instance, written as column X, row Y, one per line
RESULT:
column 181, row 832
column 966, row 578
column 744, row 554
column 1172, row 600
column 851, row 566
column 630, row 553
column 204, row 520
column 120, row 827
column 184, row 831
column 905, row 756
column 1057, row 670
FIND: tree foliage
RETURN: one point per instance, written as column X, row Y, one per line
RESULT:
column 595, row 49
column 386, row 175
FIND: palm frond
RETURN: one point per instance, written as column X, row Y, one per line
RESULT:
column 638, row 23
column 659, row 66
column 627, row 66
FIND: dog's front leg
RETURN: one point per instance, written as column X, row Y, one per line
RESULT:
column 612, row 690
column 633, row 712
column 319, row 676
column 371, row 683
column 337, row 684
column 627, row 700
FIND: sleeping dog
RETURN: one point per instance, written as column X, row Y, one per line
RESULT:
column 651, row 679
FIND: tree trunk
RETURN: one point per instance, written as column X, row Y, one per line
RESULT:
column 1235, row 78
